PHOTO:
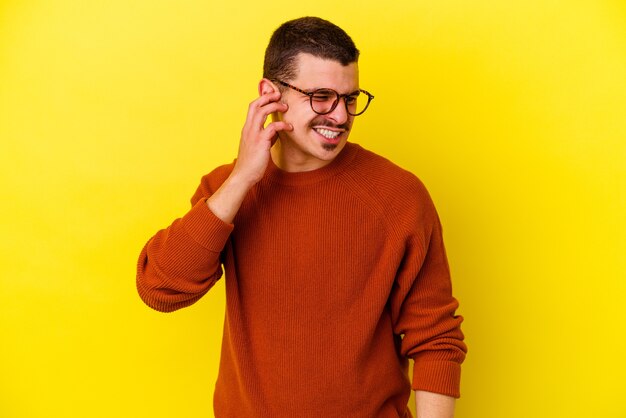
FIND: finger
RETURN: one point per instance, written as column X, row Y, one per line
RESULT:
column 260, row 102
column 279, row 126
column 261, row 114
column 273, row 128
column 258, row 110
column 263, row 100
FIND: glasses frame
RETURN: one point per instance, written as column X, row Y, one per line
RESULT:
column 338, row 97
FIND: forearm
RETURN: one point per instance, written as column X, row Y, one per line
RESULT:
column 434, row 405
column 227, row 200
column 181, row 263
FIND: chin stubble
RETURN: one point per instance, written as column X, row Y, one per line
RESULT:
column 329, row 147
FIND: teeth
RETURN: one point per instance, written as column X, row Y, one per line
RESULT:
column 328, row 134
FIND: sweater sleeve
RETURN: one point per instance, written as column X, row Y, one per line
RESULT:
column 423, row 309
column 181, row 263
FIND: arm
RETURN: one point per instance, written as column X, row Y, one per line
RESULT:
column 182, row 262
column 254, row 153
column 423, row 308
column 433, row 405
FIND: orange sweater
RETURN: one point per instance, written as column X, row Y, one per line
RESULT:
column 334, row 278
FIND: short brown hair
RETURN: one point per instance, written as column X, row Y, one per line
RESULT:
column 310, row 35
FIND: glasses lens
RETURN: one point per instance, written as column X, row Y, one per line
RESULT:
column 357, row 103
column 324, row 101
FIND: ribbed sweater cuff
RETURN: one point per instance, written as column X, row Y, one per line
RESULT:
column 442, row 377
column 205, row 228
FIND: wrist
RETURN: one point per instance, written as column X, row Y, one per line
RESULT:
column 243, row 180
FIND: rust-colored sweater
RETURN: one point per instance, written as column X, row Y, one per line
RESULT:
column 334, row 278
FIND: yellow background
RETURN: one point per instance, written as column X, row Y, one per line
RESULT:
column 512, row 112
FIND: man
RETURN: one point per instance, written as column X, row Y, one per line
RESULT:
column 336, row 272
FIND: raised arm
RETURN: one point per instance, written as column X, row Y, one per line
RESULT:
column 182, row 262
column 254, row 153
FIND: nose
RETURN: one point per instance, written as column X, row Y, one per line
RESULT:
column 340, row 113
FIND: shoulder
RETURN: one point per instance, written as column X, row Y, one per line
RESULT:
column 393, row 192
column 381, row 177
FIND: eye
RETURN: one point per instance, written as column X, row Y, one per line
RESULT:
column 351, row 99
column 323, row 95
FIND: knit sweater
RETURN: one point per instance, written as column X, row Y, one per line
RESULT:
column 334, row 279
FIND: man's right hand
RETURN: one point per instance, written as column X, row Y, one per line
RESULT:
column 257, row 139
column 253, row 157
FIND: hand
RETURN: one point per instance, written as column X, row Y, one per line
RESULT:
column 254, row 153
column 257, row 139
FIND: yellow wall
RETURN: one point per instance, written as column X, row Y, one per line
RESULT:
column 512, row 112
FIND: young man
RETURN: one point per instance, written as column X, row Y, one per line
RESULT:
column 336, row 272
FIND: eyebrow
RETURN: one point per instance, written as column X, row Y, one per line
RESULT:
column 352, row 93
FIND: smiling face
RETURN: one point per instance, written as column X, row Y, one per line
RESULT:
column 316, row 139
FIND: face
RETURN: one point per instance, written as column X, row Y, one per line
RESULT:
column 316, row 139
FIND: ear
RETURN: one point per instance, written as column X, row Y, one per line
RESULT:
column 266, row 86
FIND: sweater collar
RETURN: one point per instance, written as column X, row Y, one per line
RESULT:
column 336, row 166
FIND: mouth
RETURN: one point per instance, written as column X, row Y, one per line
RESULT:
column 328, row 134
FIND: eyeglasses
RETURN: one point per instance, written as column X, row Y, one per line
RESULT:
column 324, row 101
